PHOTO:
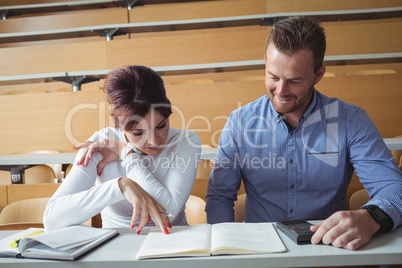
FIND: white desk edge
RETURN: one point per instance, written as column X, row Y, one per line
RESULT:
column 382, row 249
column 68, row 158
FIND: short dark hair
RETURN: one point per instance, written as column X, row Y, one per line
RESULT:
column 132, row 92
column 296, row 33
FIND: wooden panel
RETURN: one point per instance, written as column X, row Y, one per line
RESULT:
column 27, row 2
column 203, row 46
column 205, row 108
column 55, row 121
column 3, row 196
column 53, row 58
column 247, row 43
column 210, row 9
column 192, row 47
column 273, row 6
column 196, row 10
column 61, row 120
column 378, row 95
column 5, row 177
column 70, row 19
column 363, row 37
column 21, row 192
column 316, row 5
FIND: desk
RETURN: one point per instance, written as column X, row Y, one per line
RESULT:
column 17, row 163
column 67, row 158
column 121, row 252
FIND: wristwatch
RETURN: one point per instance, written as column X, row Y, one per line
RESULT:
column 126, row 151
column 385, row 221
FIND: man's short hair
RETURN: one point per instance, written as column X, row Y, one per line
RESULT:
column 296, row 33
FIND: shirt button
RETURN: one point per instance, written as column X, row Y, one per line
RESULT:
column 292, row 186
column 291, row 210
column 291, row 161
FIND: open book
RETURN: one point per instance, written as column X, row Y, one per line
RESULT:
column 216, row 239
column 68, row 243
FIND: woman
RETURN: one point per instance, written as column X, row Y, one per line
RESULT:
column 142, row 166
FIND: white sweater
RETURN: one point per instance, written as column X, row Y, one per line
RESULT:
column 168, row 177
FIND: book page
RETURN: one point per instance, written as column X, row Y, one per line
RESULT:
column 191, row 240
column 5, row 242
column 245, row 238
column 39, row 250
column 66, row 238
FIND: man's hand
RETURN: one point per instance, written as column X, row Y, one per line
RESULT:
column 346, row 229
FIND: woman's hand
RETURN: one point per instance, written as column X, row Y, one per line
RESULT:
column 144, row 205
column 110, row 151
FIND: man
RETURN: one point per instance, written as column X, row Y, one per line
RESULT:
column 296, row 150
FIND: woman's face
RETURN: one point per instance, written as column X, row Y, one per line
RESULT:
column 150, row 133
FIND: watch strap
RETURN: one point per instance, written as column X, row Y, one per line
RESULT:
column 385, row 221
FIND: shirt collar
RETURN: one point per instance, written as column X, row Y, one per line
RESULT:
column 307, row 113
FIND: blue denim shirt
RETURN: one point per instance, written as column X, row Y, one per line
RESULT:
column 301, row 173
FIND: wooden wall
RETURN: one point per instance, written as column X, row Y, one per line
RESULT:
column 60, row 120
column 192, row 47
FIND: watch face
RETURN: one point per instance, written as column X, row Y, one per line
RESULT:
column 378, row 212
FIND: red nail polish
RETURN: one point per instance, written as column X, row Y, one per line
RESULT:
column 132, row 226
column 169, row 225
column 78, row 163
column 84, row 165
column 100, row 173
column 138, row 232
column 74, row 148
column 166, row 231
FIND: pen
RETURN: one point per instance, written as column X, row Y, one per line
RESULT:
column 15, row 242
column 167, row 214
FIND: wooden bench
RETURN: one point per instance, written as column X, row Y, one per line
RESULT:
column 214, row 45
column 61, row 120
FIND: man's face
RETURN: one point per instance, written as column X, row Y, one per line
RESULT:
column 290, row 79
